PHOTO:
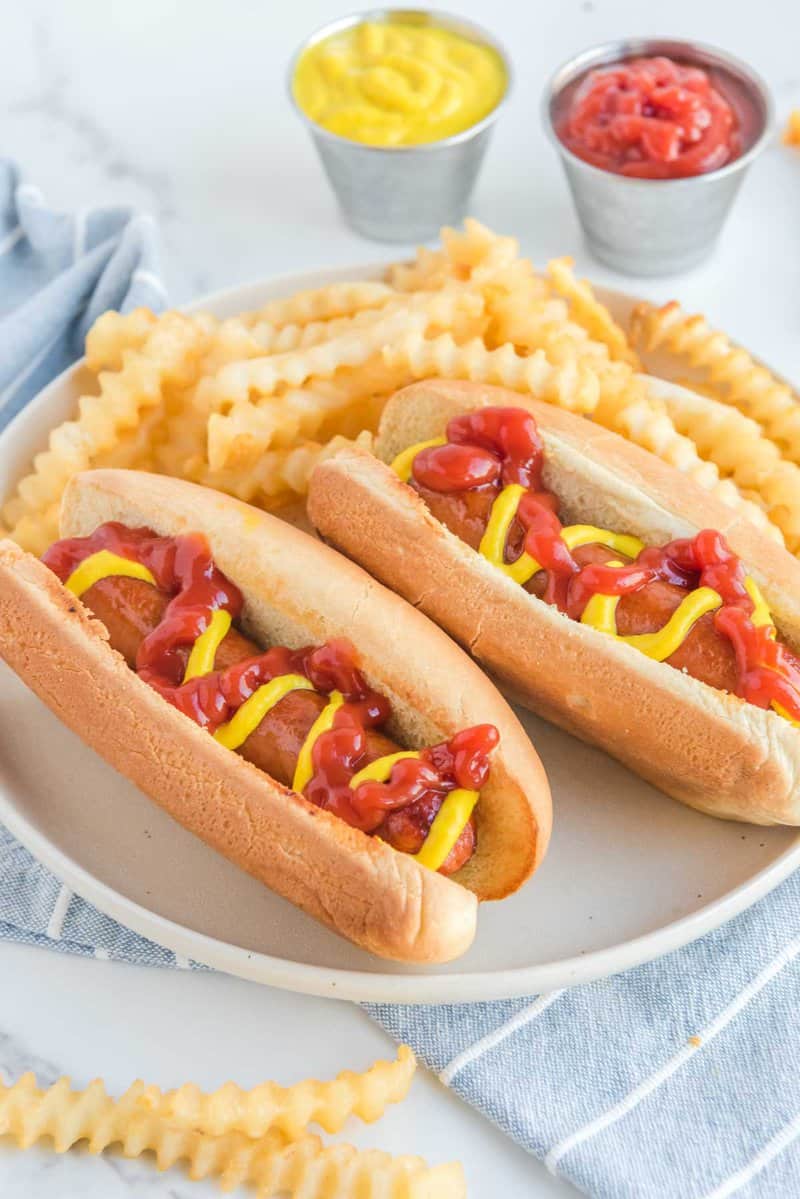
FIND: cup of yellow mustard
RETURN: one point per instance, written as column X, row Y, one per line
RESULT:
column 400, row 104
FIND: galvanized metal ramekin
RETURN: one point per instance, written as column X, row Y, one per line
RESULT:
column 658, row 226
column 403, row 193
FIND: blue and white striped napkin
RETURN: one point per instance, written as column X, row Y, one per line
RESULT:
column 677, row 1080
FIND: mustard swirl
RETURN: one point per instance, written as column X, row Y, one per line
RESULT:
column 204, row 651
column 104, row 565
column 380, row 769
column 398, row 83
column 670, row 638
column 304, row 767
column 761, row 617
column 495, row 536
column 248, row 717
column 501, row 517
column 449, row 822
column 448, row 825
column 601, row 614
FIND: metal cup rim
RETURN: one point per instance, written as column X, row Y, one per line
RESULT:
column 621, row 48
column 441, row 18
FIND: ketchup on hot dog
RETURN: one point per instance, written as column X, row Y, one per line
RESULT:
column 307, row 716
column 689, row 603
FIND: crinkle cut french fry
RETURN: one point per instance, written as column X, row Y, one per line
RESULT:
column 239, row 437
column 445, row 306
column 32, row 531
column 322, row 303
column 430, row 268
column 477, row 247
column 168, row 358
column 279, row 339
column 261, row 376
column 649, row 425
column 730, row 373
column 532, row 323
column 573, row 385
column 589, row 312
column 240, row 440
column 279, row 476
column 271, row 1164
column 735, row 444
column 474, row 253
column 289, row 1109
column 113, row 333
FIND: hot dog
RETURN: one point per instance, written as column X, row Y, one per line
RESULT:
column 282, row 706
column 705, row 653
column 600, row 586
column 131, row 609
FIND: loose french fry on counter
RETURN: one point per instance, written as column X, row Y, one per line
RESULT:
column 260, row 1136
column 289, row 1109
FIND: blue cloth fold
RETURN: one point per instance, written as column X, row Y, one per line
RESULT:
column 677, row 1080
column 58, row 272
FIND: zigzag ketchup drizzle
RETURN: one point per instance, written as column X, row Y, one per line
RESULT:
column 438, row 785
column 491, row 462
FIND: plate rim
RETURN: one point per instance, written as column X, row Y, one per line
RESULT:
column 356, row 985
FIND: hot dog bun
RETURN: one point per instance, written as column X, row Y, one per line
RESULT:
column 297, row 591
column 703, row 746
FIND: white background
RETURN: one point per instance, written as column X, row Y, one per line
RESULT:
column 180, row 108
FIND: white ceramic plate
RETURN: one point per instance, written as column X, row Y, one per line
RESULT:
column 630, row 873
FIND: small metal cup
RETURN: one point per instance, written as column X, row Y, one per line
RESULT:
column 403, row 193
column 658, row 226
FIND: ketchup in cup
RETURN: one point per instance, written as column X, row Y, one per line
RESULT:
column 651, row 118
column 655, row 136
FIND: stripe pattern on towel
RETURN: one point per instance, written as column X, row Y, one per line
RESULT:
column 677, row 1080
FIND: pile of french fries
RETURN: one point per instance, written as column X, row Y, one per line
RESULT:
column 250, row 404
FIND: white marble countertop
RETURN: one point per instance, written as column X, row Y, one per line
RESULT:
column 180, row 109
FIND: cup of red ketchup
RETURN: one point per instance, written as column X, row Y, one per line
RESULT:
column 655, row 136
